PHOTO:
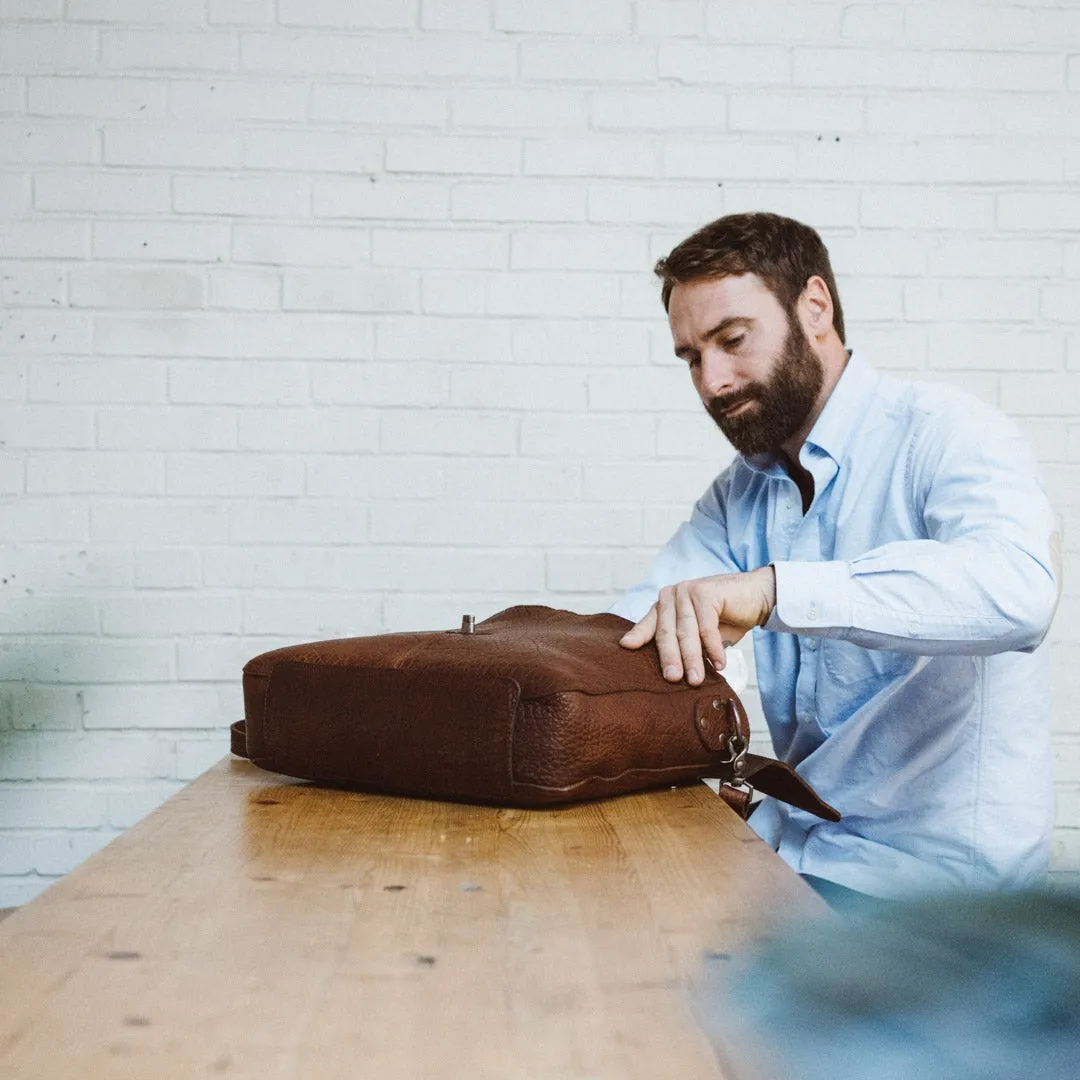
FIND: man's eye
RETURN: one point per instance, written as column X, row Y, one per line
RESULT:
column 734, row 342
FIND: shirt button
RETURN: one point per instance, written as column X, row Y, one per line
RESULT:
column 811, row 612
column 811, row 643
column 790, row 504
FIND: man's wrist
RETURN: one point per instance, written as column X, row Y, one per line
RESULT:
column 768, row 589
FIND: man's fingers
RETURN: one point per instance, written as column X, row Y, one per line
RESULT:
column 688, row 630
column 667, row 639
column 727, row 636
column 658, row 624
column 713, row 640
column 641, row 632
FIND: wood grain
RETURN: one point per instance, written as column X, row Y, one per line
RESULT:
column 256, row 927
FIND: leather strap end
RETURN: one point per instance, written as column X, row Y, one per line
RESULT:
column 737, row 798
column 784, row 783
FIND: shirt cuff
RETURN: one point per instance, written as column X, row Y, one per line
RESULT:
column 811, row 597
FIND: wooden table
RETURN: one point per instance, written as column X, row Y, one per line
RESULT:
column 259, row 927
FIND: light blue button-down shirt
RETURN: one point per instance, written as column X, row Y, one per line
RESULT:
column 900, row 671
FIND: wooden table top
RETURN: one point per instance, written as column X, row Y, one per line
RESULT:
column 259, row 927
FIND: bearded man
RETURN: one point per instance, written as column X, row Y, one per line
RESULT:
column 892, row 548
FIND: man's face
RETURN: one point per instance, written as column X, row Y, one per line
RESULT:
column 754, row 370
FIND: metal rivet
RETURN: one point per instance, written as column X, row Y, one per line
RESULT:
column 716, row 703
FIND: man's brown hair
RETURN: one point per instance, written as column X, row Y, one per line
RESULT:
column 784, row 253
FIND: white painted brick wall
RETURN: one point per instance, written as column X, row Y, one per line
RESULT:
column 324, row 317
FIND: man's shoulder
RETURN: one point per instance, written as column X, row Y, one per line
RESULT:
column 947, row 427
column 949, row 408
column 942, row 407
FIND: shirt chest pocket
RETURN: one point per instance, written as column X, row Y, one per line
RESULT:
column 860, row 673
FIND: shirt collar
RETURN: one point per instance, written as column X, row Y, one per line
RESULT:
column 848, row 403
column 835, row 427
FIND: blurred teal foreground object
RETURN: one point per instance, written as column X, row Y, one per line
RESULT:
column 966, row 987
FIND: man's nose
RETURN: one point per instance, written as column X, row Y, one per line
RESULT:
column 717, row 373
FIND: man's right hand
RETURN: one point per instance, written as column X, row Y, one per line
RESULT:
column 701, row 618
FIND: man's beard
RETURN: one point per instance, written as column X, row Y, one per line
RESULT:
column 781, row 404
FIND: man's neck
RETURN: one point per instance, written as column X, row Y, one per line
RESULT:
column 833, row 362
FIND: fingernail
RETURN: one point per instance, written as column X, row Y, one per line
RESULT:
column 671, row 672
column 693, row 675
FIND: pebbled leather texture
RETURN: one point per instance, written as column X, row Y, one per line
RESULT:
column 536, row 707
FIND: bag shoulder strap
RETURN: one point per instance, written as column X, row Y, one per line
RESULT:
column 782, row 782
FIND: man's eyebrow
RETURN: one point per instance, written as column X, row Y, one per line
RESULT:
column 724, row 324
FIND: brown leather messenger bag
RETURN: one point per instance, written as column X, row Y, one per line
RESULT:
column 532, row 707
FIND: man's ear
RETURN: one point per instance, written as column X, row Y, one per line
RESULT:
column 816, row 307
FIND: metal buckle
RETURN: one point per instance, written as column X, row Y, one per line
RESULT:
column 737, row 747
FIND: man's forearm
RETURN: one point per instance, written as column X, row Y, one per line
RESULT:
column 922, row 596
